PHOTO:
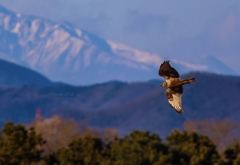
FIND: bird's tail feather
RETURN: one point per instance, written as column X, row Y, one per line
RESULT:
column 188, row 80
column 183, row 82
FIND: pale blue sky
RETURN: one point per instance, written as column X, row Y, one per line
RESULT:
column 168, row 28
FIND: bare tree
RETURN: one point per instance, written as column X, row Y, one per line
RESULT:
column 59, row 132
column 224, row 133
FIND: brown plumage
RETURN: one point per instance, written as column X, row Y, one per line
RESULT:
column 174, row 85
column 166, row 70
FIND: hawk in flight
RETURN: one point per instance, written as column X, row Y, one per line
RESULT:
column 174, row 85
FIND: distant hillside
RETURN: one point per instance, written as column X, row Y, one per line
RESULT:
column 212, row 96
column 126, row 106
column 15, row 75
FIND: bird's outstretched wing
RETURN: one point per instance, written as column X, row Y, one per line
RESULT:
column 174, row 96
column 166, row 70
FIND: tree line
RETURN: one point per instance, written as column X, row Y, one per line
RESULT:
column 22, row 145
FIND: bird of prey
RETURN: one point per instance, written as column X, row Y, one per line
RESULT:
column 174, row 85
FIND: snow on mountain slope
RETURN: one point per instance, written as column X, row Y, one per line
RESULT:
column 134, row 54
column 65, row 53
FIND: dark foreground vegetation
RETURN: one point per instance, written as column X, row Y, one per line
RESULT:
column 22, row 145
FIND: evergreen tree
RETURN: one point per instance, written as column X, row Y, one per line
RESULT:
column 232, row 155
column 19, row 146
column 84, row 151
column 192, row 149
column 139, row 148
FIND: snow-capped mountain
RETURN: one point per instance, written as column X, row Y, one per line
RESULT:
column 69, row 54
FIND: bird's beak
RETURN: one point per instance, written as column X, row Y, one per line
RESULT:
column 160, row 84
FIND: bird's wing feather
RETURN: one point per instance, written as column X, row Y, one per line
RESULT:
column 175, row 100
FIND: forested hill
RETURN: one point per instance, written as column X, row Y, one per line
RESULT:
column 12, row 74
column 125, row 106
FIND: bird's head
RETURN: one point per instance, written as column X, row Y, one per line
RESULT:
column 164, row 84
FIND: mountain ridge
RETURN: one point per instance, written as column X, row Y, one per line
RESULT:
column 72, row 55
column 125, row 106
column 15, row 75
